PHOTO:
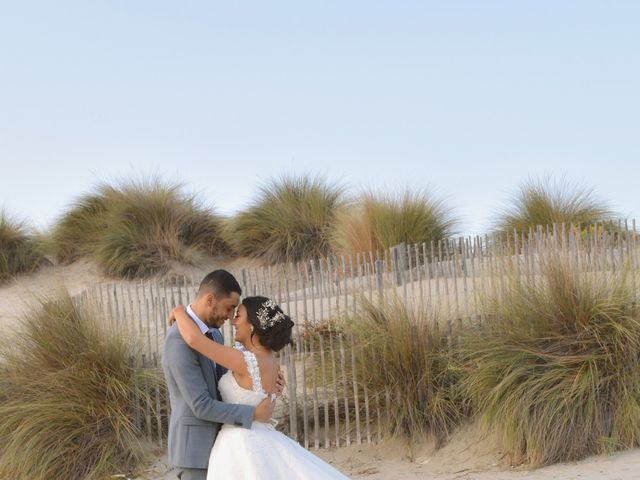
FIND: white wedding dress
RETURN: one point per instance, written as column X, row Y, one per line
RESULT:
column 260, row 452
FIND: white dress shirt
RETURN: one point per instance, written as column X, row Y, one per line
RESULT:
column 201, row 325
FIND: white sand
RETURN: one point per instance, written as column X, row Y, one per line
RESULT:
column 16, row 296
column 466, row 457
column 461, row 460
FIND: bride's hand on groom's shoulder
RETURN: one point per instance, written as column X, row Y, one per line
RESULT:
column 172, row 315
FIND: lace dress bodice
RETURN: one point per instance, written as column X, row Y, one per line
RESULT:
column 231, row 392
column 260, row 452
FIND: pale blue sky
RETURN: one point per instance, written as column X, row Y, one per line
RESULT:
column 466, row 97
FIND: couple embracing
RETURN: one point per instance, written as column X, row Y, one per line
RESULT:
column 222, row 398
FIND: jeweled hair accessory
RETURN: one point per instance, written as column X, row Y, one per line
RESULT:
column 266, row 320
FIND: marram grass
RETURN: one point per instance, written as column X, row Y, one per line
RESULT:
column 20, row 250
column 291, row 220
column 377, row 222
column 66, row 398
column 546, row 202
column 137, row 229
column 555, row 368
column 405, row 352
column 79, row 230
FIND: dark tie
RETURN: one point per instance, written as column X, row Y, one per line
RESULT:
column 216, row 336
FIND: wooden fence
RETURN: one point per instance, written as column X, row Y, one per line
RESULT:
column 322, row 406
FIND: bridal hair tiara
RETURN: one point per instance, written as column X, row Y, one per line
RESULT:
column 266, row 320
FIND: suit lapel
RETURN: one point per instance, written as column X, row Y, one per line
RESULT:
column 208, row 368
column 209, row 375
column 217, row 336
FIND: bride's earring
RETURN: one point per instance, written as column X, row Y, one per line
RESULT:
column 251, row 328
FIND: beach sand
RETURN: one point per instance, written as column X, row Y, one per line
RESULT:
column 457, row 461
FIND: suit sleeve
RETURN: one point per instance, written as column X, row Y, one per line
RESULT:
column 183, row 363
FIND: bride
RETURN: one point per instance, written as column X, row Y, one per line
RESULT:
column 260, row 452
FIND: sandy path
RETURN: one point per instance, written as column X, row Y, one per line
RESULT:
column 387, row 462
column 467, row 456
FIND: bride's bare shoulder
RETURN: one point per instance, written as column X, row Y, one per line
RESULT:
column 268, row 365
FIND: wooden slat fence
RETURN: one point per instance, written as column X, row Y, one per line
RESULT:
column 326, row 404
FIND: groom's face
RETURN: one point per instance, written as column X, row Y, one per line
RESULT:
column 220, row 309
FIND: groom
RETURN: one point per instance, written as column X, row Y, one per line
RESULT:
column 197, row 411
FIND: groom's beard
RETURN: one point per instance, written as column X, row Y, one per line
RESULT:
column 215, row 321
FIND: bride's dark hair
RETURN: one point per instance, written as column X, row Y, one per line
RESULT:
column 276, row 336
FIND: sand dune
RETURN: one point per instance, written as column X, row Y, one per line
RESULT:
column 466, row 457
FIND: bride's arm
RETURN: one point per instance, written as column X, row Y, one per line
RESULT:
column 226, row 356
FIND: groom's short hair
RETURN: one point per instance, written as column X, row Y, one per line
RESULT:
column 219, row 282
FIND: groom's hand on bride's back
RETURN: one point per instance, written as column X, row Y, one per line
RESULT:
column 264, row 411
column 280, row 383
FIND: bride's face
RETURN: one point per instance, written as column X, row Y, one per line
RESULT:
column 241, row 323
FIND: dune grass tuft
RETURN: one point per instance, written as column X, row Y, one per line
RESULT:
column 136, row 229
column 66, row 398
column 20, row 250
column 546, row 201
column 406, row 352
column 555, row 368
column 78, row 231
column 376, row 222
column 291, row 220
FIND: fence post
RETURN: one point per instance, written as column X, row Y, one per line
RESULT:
column 245, row 283
column 380, row 280
column 398, row 261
